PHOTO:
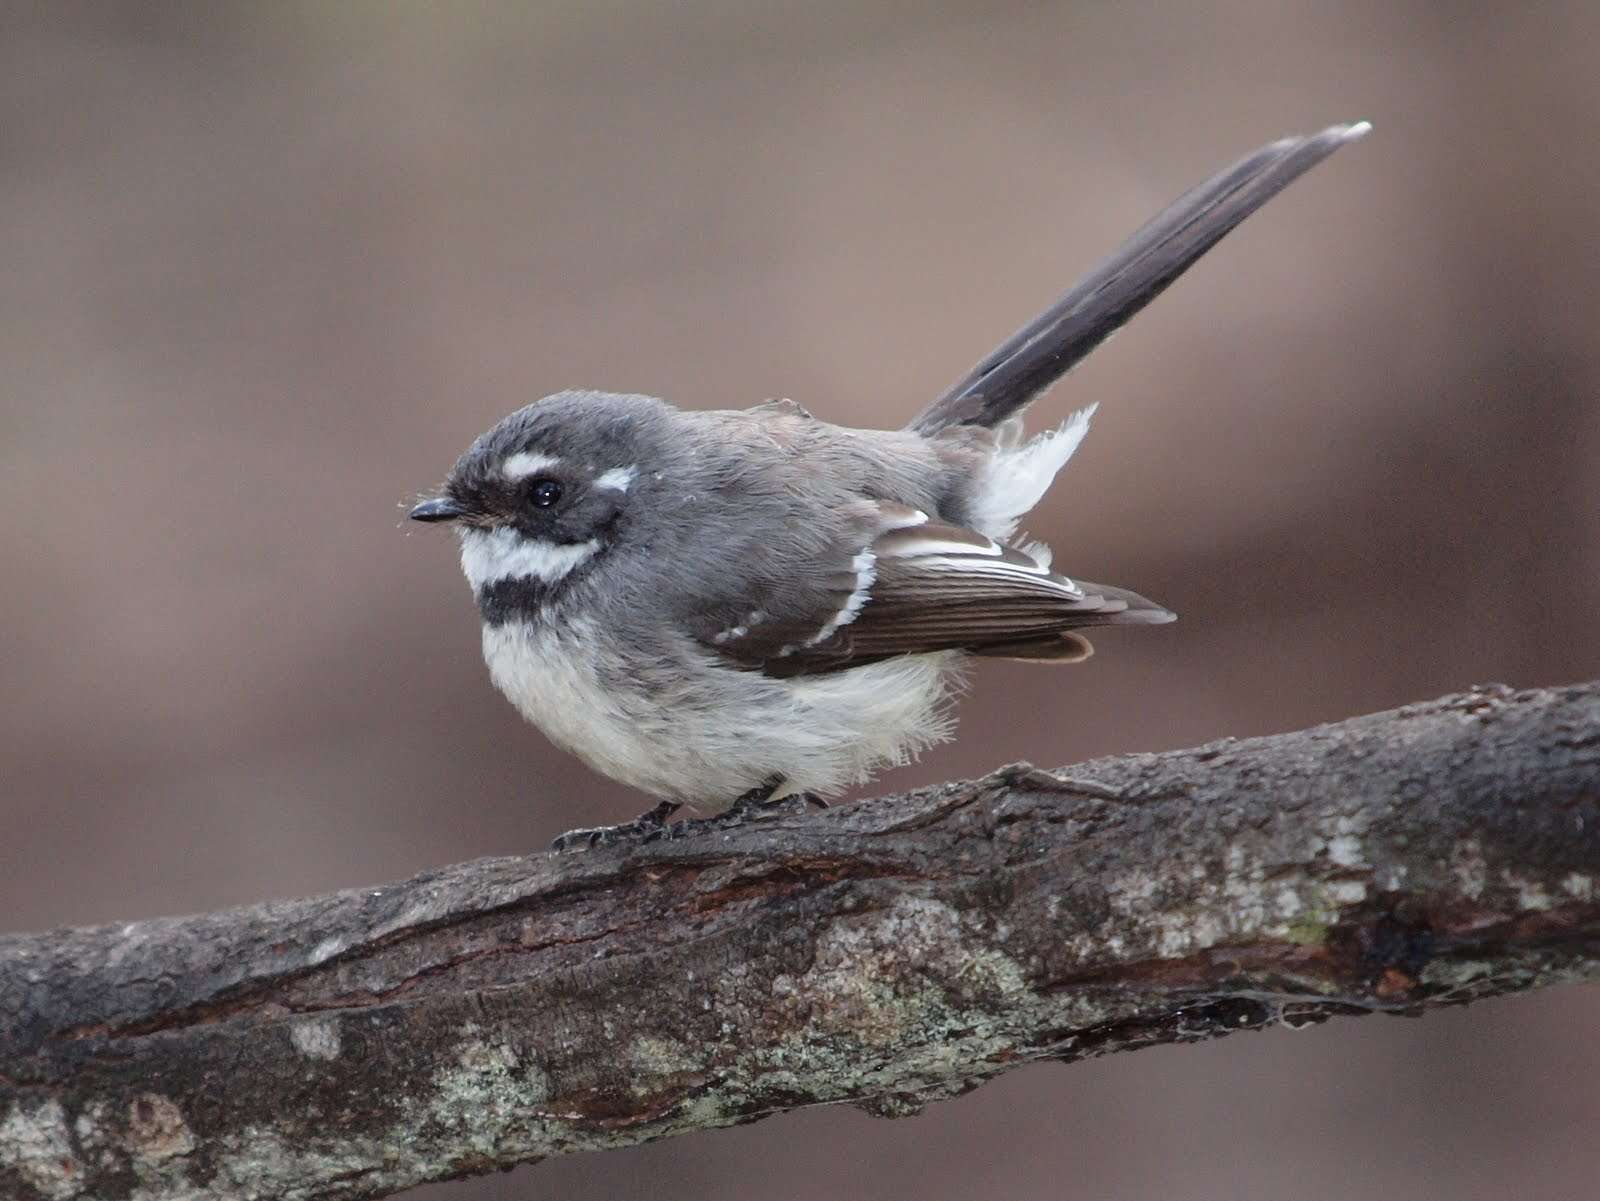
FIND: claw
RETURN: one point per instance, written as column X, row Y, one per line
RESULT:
column 757, row 799
column 758, row 804
column 645, row 828
column 654, row 827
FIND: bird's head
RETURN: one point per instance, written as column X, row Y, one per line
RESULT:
column 543, row 494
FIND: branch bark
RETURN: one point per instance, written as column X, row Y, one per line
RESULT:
column 885, row 954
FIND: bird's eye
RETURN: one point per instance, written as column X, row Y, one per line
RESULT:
column 544, row 493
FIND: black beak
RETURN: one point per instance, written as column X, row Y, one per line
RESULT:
column 440, row 508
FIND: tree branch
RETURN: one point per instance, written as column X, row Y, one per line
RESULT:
column 884, row 954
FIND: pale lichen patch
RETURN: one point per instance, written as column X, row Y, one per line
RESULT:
column 1243, row 887
column 1347, row 892
column 1391, row 877
column 36, row 1143
column 872, row 1026
column 1531, row 894
column 94, row 1135
column 156, row 1128
column 1131, row 892
column 153, row 1142
column 316, row 1038
column 489, row 1102
column 653, row 1058
column 491, row 1099
column 159, row 1143
column 1243, row 902
column 1344, row 850
column 260, row 1163
column 1186, row 934
column 1289, row 906
column 327, row 949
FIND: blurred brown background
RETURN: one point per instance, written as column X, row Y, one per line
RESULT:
column 270, row 267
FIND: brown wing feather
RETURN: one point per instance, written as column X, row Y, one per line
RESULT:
column 918, row 587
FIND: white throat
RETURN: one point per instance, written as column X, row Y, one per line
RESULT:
column 489, row 556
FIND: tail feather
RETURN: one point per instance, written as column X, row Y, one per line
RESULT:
column 1066, row 645
column 1136, row 273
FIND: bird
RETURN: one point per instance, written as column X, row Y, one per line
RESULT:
column 733, row 609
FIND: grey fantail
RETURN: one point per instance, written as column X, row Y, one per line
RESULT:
column 727, row 608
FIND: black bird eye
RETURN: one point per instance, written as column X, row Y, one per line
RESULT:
column 544, row 493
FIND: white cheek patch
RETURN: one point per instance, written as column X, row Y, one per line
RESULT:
column 489, row 556
column 618, row 478
column 524, row 463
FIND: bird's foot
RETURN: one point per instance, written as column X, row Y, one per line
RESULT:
column 644, row 828
column 756, row 805
column 752, row 808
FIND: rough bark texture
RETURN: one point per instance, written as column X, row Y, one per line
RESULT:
column 886, row 954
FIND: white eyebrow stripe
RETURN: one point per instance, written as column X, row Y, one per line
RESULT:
column 524, row 463
column 618, row 478
column 489, row 556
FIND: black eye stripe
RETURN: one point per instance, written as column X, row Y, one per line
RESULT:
column 544, row 492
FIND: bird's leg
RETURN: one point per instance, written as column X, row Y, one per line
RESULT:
column 639, row 829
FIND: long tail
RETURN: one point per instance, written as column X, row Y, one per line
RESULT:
column 1136, row 273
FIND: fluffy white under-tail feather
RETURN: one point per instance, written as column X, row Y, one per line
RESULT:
column 1017, row 477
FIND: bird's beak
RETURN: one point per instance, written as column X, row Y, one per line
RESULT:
column 440, row 508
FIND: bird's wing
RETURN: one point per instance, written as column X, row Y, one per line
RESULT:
column 1136, row 273
column 901, row 584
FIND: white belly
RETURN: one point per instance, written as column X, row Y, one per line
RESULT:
column 681, row 725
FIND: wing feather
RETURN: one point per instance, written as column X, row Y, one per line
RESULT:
column 913, row 586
